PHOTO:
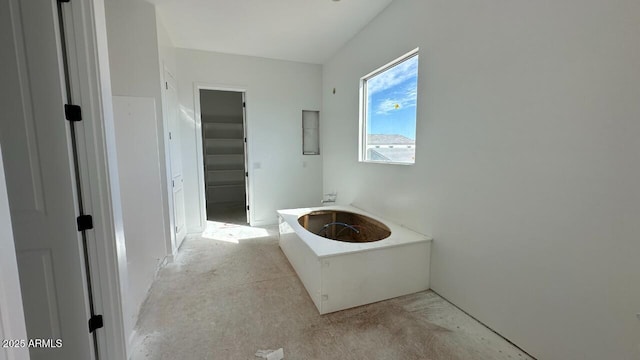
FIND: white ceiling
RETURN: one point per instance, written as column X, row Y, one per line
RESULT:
column 298, row 30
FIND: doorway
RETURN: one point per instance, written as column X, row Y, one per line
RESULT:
column 224, row 147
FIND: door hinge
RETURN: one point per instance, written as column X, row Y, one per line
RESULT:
column 95, row 323
column 169, row 135
column 245, row 140
column 166, row 85
column 244, row 104
column 72, row 112
column 246, row 174
column 85, row 222
column 173, row 184
column 247, row 207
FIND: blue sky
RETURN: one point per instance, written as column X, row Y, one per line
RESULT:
column 392, row 97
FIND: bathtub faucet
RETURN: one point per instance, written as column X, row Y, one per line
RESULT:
column 329, row 198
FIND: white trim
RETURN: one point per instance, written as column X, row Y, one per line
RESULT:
column 392, row 63
column 90, row 77
column 273, row 221
column 197, row 86
column 171, row 247
column 362, row 108
column 362, row 121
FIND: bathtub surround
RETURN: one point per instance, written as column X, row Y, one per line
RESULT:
column 526, row 167
column 340, row 275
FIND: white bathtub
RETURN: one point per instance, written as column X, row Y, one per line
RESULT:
column 340, row 275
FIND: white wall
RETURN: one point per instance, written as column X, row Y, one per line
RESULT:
column 135, row 70
column 276, row 93
column 527, row 165
column 133, row 49
column 141, row 191
column 166, row 49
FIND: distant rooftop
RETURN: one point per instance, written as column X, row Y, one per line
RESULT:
column 393, row 154
column 389, row 139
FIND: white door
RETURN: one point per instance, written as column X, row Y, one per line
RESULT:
column 36, row 142
column 171, row 98
column 12, row 324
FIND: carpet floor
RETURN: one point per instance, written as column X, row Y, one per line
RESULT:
column 231, row 292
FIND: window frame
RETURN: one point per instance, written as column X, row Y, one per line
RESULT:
column 362, row 130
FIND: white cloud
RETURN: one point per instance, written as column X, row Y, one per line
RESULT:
column 408, row 99
column 393, row 76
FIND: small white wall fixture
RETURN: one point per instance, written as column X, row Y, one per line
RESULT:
column 310, row 132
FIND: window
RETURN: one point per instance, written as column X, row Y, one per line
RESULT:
column 388, row 98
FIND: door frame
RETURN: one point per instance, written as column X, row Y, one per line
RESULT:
column 85, row 23
column 197, row 86
column 87, row 50
column 172, row 242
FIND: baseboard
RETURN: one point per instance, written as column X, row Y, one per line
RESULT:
column 266, row 222
column 166, row 261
